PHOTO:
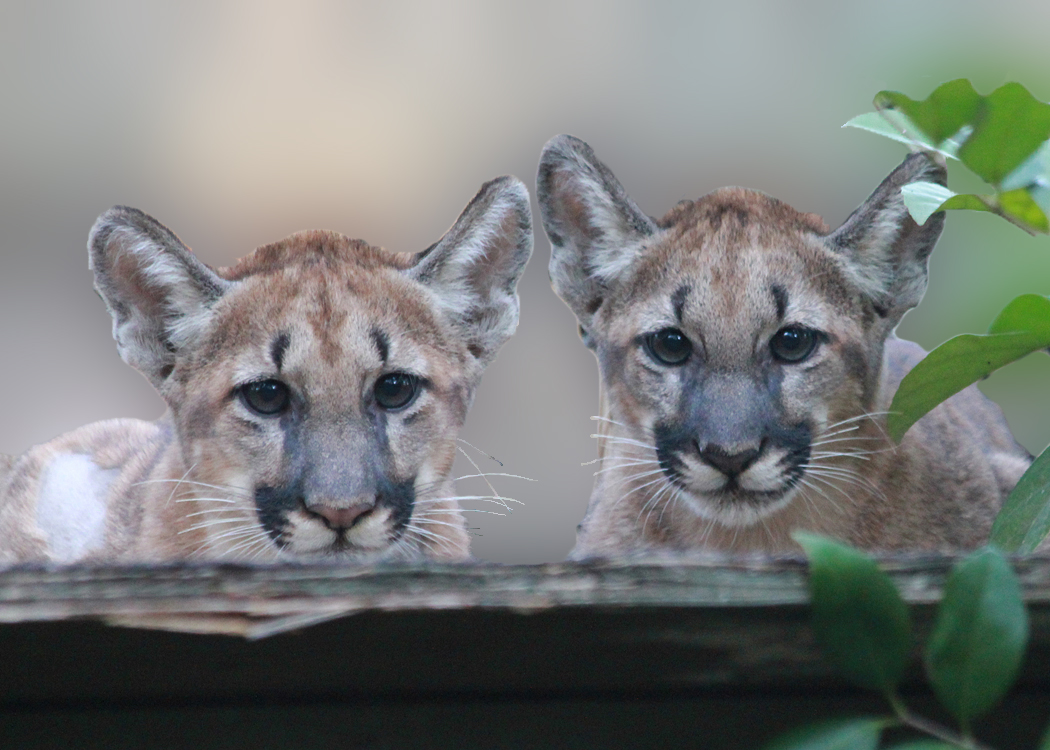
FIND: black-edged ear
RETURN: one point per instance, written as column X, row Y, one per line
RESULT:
column 885, row 252
column 594, row 228
column 158, row 293
column 474, row 269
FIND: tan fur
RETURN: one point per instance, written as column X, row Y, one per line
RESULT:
column 334, row 473
column 736, row 447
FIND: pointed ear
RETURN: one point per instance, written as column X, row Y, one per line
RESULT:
column 884, row 250
column 594, row 228
column 474, row 269
column 158, row 293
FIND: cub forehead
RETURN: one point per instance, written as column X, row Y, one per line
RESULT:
column 325, row 300
column 737, row 248
column 315, row 248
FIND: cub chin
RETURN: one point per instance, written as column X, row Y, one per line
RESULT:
column 747, row 361
column 315, row 391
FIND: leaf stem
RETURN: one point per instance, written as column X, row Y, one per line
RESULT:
column 921, row 724
column 995, row 208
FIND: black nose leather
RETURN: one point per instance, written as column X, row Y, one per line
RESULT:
column 730, row 464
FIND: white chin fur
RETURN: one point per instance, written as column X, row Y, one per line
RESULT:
column 733, row 514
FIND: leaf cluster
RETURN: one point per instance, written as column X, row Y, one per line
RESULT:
column 1002, row 138
column 862, row 625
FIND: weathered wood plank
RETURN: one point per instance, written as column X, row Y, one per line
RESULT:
column 623, row 628
column 45, row 593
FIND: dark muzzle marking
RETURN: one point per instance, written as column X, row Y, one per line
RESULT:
column 274, row 504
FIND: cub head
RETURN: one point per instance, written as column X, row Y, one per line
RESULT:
column 317, row 386
column 734, row 335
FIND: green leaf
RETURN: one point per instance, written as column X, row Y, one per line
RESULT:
column 925, row 745
column 967, row 202
column 896, row 126
column 1024, row 520
column 1020, row 329
column 859, row 618
column 1041, row 195
column 1029, row 313
column 924, row 199
column 942, row 113
column 1019, row 205
column 841, row 734
column 979, row 636
column 1034, row 171
column 1008, row 128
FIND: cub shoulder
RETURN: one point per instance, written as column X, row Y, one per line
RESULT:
column 747, row 360
column 315, row 391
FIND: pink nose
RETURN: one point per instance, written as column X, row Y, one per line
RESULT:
column 340, row 518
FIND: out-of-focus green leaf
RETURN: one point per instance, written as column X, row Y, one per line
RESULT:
column 925, row 745
column 979, row 636
column 1019, row 205
column 965, row 201
column 923, row 199
column 1035, row 170
column 1024, row 520
column 942, row 113
column 1029, row 313
column 859, row 618
column 898, row 127
column 1008, row 128
column 1020, row 329
column 1041, row 195
column 842, row 734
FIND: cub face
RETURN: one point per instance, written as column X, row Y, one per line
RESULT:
column 741, row 349
column 325, row 394
column 732, row 359
column 317, row 387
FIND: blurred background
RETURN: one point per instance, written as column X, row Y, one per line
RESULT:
column 237, row 123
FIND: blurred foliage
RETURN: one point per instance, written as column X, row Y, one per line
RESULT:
column 1003, row 139
column 861, row 622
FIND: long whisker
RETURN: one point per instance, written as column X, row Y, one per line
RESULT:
column 461, row 440
column 193, row 483
column 623, row 441
column 494, row 474
column 478, row 468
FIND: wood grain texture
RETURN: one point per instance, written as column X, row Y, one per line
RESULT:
column 653, row 628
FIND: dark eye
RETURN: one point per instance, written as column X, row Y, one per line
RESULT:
column 793, row 344
column 266, row 397
column 669, row 346
column 396, row 390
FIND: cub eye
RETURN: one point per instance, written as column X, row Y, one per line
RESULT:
column 396, row 390
column 266, row 397
column 793, row 344
column 669, row 346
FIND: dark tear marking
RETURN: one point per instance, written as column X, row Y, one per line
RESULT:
column 382, row 344
column 678, row 301
column 273, row 504
column 780, row 298
column 278, row 348
column 400, row 497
